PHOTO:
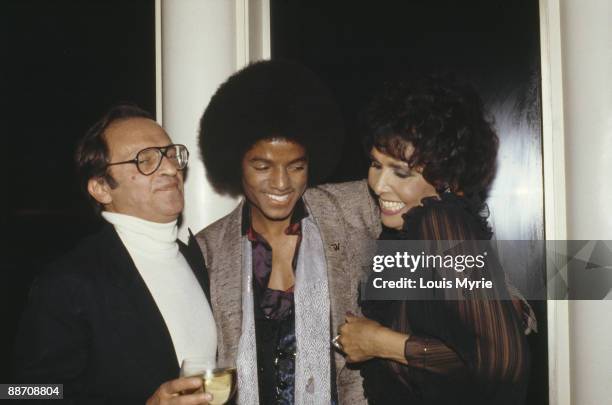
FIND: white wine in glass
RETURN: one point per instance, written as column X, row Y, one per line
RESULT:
column 217, row 379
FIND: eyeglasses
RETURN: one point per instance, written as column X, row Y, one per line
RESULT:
column 148, row 160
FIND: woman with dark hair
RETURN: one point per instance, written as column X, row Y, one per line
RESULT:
column 433, row 158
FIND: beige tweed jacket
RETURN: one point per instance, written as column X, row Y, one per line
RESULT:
column 348, row 219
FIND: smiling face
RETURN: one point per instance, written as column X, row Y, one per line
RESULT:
column 398, row 187
column 274, row 177
column 157, row 197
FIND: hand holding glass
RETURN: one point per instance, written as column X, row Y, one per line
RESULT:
column 219, row 380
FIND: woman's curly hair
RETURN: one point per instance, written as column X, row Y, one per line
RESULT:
column 454, row 144
column 268, row 100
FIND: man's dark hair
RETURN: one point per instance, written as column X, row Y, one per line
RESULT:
column 92, row 155
column 268, row 100
column 444, row 120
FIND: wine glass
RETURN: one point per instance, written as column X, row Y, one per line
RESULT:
column 218, row 379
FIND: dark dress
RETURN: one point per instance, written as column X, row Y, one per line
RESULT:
column 459, row 351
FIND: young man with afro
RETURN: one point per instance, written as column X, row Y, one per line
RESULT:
column 285, row 264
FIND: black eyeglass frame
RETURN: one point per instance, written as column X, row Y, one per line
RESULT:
column 162, row 149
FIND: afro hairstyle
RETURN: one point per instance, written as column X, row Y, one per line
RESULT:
column 272, row 99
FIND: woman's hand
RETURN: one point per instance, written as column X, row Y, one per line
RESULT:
column 363, row 339
column 358, row 337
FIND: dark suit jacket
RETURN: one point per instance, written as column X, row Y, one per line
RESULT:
column 92, row 324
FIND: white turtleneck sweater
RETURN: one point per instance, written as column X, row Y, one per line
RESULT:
column 177, row 293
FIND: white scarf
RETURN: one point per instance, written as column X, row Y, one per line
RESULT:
column 312, row 309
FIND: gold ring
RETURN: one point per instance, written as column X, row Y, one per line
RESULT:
column 337, row 344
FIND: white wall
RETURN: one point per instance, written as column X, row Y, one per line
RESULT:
column 200, row 43
column 586, row 32
column 198, row 53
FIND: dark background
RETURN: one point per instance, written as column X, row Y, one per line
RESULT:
column 494, row 44
column 65, row 62
column 356, row 46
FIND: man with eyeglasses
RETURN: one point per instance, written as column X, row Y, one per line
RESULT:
column 113, row 319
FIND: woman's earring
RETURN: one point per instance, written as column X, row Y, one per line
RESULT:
column 444, row 188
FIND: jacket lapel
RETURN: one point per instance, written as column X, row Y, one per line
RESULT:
column 226, row 286
column 193, row 255
column 148, row 320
